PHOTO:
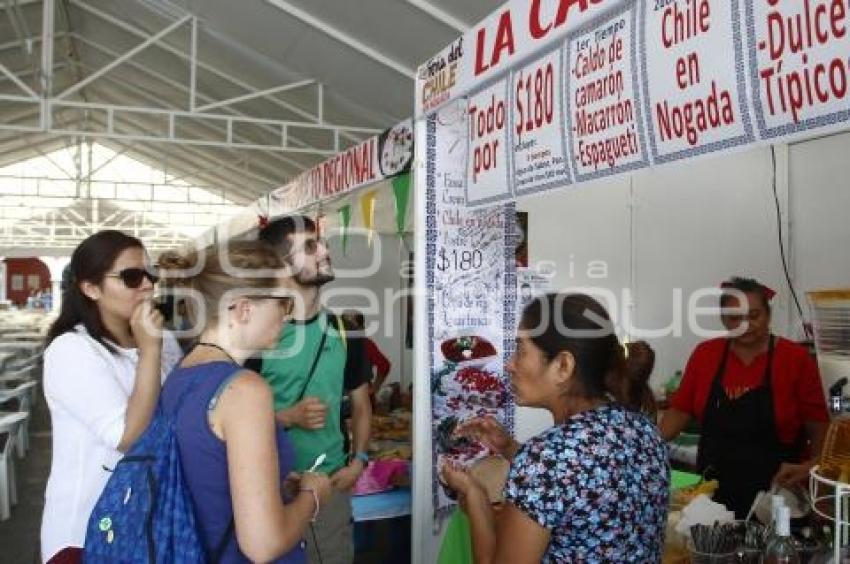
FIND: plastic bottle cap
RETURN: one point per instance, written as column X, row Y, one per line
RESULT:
column 776, row 501
column 783, row 523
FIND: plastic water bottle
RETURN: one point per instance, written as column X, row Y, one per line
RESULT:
column 776, row 501
column 781, row 549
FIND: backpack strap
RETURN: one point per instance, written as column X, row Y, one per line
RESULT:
column 315, row 363
column 182, row 397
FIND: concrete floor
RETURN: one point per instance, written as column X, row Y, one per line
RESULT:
column 19, row 536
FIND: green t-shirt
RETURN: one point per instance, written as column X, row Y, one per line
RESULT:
column 286, row 370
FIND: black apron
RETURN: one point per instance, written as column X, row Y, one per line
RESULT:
column 739, row 445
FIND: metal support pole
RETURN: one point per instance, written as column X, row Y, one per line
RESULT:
column 320, row 103
column 46, row 78
column 193, row 67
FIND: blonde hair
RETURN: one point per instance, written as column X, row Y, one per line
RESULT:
column 224, row 269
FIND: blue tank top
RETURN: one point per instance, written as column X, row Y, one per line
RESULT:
column 204, row 457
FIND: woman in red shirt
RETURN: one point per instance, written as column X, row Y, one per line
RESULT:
column 758, row 399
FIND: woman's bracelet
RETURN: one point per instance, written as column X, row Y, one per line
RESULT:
column 316, row 499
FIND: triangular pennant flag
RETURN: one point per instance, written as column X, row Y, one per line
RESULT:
column 401, row 189
column 367, row 207
column 344, row 220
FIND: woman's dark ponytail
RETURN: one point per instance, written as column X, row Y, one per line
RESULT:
column 628, row 381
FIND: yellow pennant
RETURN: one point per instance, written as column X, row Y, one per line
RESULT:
column 367, row 207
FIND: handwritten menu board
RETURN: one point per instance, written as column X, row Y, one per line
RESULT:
column 471, row 282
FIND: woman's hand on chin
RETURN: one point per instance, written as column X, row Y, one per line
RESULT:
column 146, row 326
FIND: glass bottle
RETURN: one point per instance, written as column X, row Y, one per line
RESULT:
column 781, row 549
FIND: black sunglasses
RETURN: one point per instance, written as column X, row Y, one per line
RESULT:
column 133, row 277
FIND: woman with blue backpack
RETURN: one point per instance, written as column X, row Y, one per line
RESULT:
column 235, row 458
column 104, row 363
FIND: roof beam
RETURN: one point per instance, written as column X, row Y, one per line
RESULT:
column 191, row 160
column 21, row 74
column 13, row 20
column 347, row 132
column 22, row 142
column 129, row 54
column 440, row 15
column 34, row 39
column 172, row 117
column 200, row 64
column 18, row 82
column 22, row 3
column 138, row 92
column 24, row 27
column 259, row 94
column 280, row 159
column 156, row 99
column 343, row 37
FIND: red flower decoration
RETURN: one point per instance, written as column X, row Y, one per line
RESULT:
column 262, row 221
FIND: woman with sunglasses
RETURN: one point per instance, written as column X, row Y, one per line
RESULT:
column 103, row 369
column 235, row 457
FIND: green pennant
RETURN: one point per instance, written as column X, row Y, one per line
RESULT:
column 344, row 220
column 401, row 189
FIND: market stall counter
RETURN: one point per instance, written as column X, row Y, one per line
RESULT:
column 381, row 503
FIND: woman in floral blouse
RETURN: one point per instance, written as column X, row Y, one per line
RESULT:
column 592, row 488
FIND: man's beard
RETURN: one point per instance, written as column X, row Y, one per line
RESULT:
column 317, row 280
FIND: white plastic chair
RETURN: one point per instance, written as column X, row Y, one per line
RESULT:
column 23, row 393
column 9, row 425
column 26, row 372
column 12, row 377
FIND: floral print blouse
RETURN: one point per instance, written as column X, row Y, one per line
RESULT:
column 599, row 483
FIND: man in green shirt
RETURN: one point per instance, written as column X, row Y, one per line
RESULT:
column 313, row 365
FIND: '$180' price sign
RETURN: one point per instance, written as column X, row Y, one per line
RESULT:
column 460, row 260
column 535, row 98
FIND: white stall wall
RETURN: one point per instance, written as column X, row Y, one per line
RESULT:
column 697, row 224
column 819, row 173
column 690, row 226
column 370, row 279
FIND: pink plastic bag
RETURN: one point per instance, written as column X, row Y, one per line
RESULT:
column 378, row 476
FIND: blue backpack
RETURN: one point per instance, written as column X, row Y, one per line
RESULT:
column 145, row 513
